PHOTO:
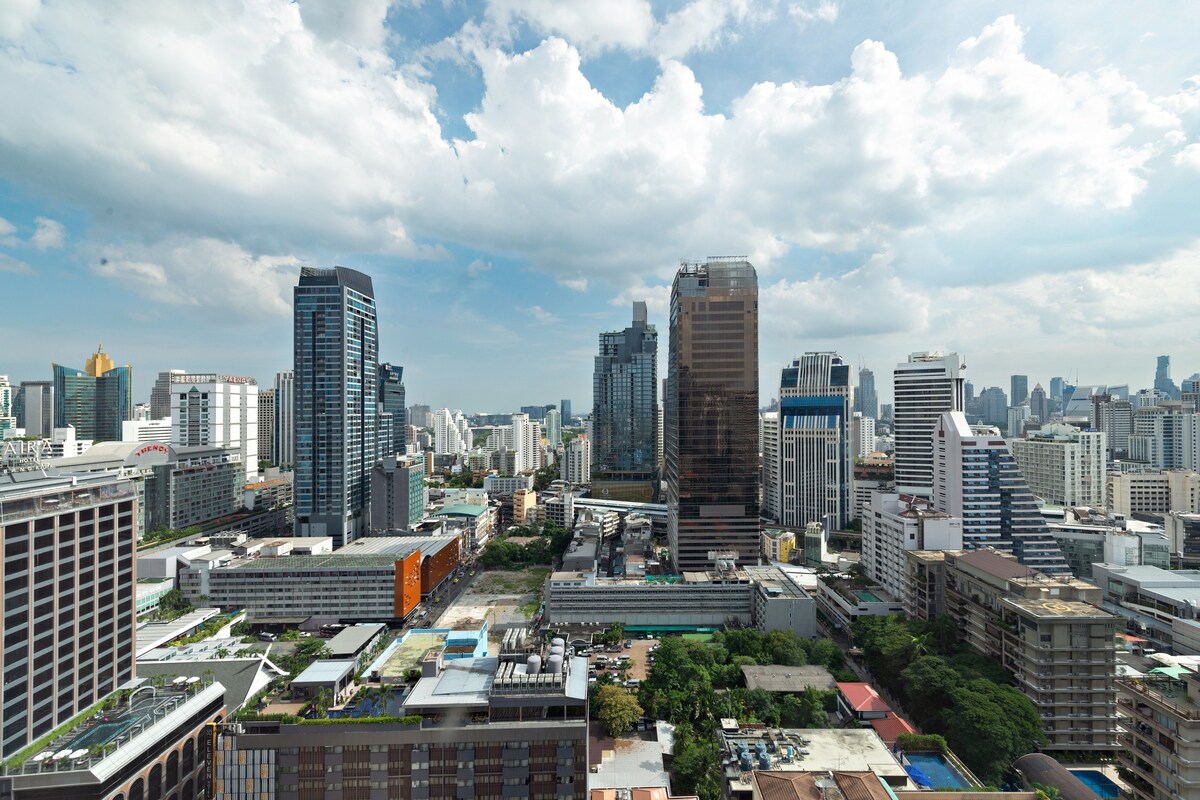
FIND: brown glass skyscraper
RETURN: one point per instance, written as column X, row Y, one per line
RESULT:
column 711, row 413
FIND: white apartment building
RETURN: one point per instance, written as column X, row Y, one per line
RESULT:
column 577, row 461
column 284, row 442
column 527, row 443
column 147, row 430
column 1115, row 418
column 216, row 410
column 977, row 480
column 769, row 433
column 894, row 524
column 451, row 433
column 1017, row 417
column 1166, row 436
column 1064, row 465
column 862, row 436
column 924, row 388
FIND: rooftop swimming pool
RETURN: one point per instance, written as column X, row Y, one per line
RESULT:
column 937, row 767
column 867, row 597
column 1098, row 782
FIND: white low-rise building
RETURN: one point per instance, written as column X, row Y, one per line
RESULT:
column 1064, row 465
column 897, row 523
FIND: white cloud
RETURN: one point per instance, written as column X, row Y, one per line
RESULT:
column 822, row 11
column 577, row 283
column 49, row 234
column 541, row 315
column 7, row 233
column 206, row 273
column 592, row 27
column 14, row 265
column 478, row 267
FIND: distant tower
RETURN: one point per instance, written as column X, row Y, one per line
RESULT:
column 564, row 408
column 336, row 356
column 1019, row 389
column 1056, row 388
column 96, row 399
column 625, row 410
column 866, row 402
column 391, row 401
column 1039, row 405
column 925, row 387
column 1162, row 379
column 283, row 452
column 711, row 412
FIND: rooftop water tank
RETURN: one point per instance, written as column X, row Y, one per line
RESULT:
column 533, row 665
column 554, row 664
column 558, row 641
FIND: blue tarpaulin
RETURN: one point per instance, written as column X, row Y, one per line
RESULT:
column 918, row 775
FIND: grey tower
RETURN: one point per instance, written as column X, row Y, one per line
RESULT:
column 336, row 352
column 711, row 414
column 1018, row 389
column 625, row 408
column 1162, row 379
column 866, row 402
column 391, row 401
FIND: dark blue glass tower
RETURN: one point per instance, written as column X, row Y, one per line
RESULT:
column 336, row 351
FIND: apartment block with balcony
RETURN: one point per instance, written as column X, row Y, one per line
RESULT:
column 1159, row 717
column 1047, row 630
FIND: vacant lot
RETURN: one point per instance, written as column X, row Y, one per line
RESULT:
column 502, row 597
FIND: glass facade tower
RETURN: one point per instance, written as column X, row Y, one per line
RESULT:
column 95, row 400
column 711, row 414
column 625, row 404
column 391, row 401
column 335, row 390
column 866, row 401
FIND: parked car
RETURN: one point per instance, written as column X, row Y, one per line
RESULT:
column 629, row 644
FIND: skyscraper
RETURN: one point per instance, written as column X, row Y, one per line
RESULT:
column 1162, row 379
column 1056, row 388
column 977, row 480
column 35, row 408
column 924, row 388
column 1039, row 405
column 866, row 401
column 1019, row 389
column 814, row 445
column 564, row 408
column 219, row 410
column 451, row 434
column 7, row 417
column 625, row 407
column 995, row 405
column 711, row 412
column 284, row 452
column 96, row 399
column 336, row 350
column 266, row 424
column 391, row 401
column 160, row 395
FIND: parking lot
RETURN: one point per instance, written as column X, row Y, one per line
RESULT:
column 639, row 653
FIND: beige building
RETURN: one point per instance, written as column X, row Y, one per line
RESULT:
column 1048, row 631
column 1159, row 717
column 524, row 504
column 1156, row 492
column 1064, row 465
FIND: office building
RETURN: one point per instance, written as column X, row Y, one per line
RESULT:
column 34, row 408
column 146, row 430
column 893, row 525
column 554, row 427
column 1039, row 404
column 564, row 408
column 1048, row 631
column 1090, row 536
column 391, row 401
column 874, row 472
column 1154, row 492
column 8, row 417
column 1056, row 388
column 1166, row 436
column 266, row 425
column 336, row 353
column 994, row 406
column 1018, row 416
column 625, row 406
column 1162, row 379
column 160, row 394
column 420, row 416
column 451, row 433
column 1190, row 393
column 978, row 481
column 577, row 461
column 711, row 412
column 925, row 387
column 1018, row 389
column 1114, row 418
column 398, row 493
column 1064, row 465
column 283, row 453
column 94, row 400
column 769, row 434
column 218, row 411
column 866, row 400
column 813, row 450
column 68, row 599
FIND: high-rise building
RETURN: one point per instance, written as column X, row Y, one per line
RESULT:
column 977, row 480
column 554, row 427
column 397, row 493
column 451, row 433
column 1064, row 465
column 564, row 408
column 8, row 418
column 96, row 399
column 576, row 465
column 266, row 424
column 711, row 412
column 769, row 427
column 68, row 598
column 1166, row 436
column 814, row 442
column 160, row 394
column 1114, row 418
column 625, row 403
column 526, row 443
column 1039, row 404
column 925, row 387
column 1190, row 393
column 893, row 525
column 866, row 401
column 284, row 440
column 420, row 416
column 995, row 406
column 336, row 353
column 1017, row 417
column 1056, row 388
column 1019, row 389
column 220, row 410
column 35, row 408
column 1162, row 379
column 862, row 438
column 391, row 401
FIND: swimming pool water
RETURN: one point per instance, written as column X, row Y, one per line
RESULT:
column 867, row 597
column 1098, row 782
column 939, row 770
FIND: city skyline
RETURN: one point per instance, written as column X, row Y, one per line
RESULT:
column 1032, row 233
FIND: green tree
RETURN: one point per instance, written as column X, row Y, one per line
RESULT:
column 990, row 726
column 614, row 634
column 804, row 710
column 617, row 709
column 173, row 604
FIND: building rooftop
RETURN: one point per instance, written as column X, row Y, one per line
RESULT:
column 816, row 750
column 151, row 635
column 776, row 582
column 819, row 786
column 995, row 564
column 324, row 671
column 407, row 653
column 463, row 682
column 629, row 762
column 351, row 640
column 788, row 679
column 890, row 727
column 461, row 510
column 863, row 697
column 1052, row 607
column 241, row 677
column 398, row 546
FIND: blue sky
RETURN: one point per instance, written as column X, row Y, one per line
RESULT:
column 1016, row 181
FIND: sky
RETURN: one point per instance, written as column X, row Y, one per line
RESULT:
column 1018, row 182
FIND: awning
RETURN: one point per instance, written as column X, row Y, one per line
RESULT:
column 918, row 775
column 1174, row 672
column 1129, row 637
